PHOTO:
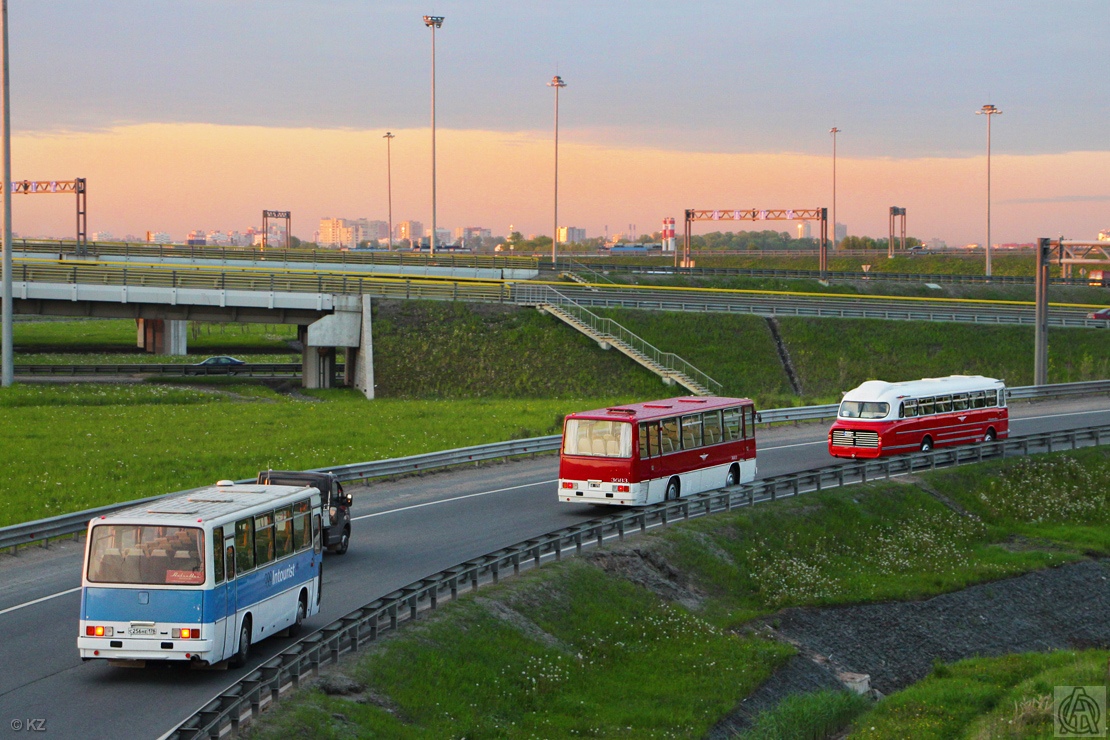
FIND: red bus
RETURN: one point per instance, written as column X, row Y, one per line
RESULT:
column 880, row 418
column 643, row 453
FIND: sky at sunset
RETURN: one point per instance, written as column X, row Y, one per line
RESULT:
column 199, row 114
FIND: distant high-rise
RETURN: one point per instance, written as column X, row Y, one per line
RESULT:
column 337, row 232
column 410, row 230
column 805, row 231
column 571, row 235
column 840, row 233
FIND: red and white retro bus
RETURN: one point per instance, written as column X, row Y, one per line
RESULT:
column 643, row 453
column 880, row 418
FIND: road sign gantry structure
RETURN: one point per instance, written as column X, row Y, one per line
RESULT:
column 760, row 214
column 76, row 186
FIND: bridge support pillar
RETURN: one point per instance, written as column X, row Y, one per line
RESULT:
column 360, row 359
column 163, row 337
column 343, row 328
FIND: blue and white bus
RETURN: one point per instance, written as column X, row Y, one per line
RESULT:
column 199, row 576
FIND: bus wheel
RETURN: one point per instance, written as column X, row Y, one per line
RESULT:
column 302, row 609
column 244, row 652
column 344, row 542
column 672, row 490
column 733, row 477
column 990, row 436
column 927, row 444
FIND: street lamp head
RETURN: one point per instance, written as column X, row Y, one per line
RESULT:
column 556, row 81
column 988, row 110
column 834, row 131
column 433, row 21
column 388, row 135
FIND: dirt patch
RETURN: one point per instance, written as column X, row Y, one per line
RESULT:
column 649, row 569
column 897, row 643
column 522, row 623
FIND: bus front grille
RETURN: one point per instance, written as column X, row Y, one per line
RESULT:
column 855, row 438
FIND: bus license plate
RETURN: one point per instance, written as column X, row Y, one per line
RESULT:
column 141, row 631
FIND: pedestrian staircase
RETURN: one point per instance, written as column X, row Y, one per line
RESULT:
column 609, row 334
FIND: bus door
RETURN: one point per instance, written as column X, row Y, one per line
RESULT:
column 230, row 630
column 218, row 595
column 318, row 557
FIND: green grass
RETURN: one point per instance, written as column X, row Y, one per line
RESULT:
column 570, row 653
column 36, row 337
column 76, row 447
column 834, row 355
column 984, row 698
column 807, row 716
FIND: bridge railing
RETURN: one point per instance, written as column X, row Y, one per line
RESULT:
column 350, row 633
column 540, row 294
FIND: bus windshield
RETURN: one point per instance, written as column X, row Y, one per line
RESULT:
column 147, row 555
column 598, row 438
column 863, row 410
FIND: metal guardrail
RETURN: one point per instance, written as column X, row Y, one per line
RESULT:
column 244, row 700
column 444, row 258
column 42, row 530
column 180, row 369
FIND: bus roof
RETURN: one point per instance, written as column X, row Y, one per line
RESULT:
column 880, row 390
column 660, row 409
column 208, row 503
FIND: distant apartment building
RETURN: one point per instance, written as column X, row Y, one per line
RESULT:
column 337, row 233
column 466, row 233
column 370, row 231
column 409, row 230
column 102, row 236
column 840, row 233
column 805, row 230
column 570, row 235
column 158, row 237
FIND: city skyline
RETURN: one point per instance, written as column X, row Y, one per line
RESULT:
column 726, row 105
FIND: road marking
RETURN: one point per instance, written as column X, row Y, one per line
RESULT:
column 1070, row 413
column 38, row 601
column 448, row 500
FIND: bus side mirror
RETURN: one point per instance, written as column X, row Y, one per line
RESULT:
column 350, row 499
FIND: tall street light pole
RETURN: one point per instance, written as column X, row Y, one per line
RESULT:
column 988, row 111
column 834, row 131
column 389, row 180
column 433, row 22
column 7, row 374
column 556, row 82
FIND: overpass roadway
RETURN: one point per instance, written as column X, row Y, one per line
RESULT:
column 297, row 295
column 404, row 530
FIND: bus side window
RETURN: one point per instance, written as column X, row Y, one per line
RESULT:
column 231, row 562
column 653, row 438
column 218, row 554
column 244, row 545
column 960, row 402
column 925, row 406
column 977, row 400
column 263, row 538
column 691, row 432
column 910, row 408
column 944, row 404
column 283, row 532
column 734, row 425
column 992, row 398
column 302, row 533
column 749, row 422
column 316, row 533
column 711, row 424
column 645, row 449
column 668, row 435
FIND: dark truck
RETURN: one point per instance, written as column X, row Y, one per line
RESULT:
column 336, row 504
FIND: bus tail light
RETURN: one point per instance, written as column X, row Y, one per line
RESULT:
column 622, row 489
column 567, row 484
column 185, row 633
column 98, row 631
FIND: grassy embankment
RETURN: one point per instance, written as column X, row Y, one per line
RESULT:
column 651, row 638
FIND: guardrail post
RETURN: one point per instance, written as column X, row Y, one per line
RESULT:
column 751, row 497
column 1050, row 442
column 412, row 608
column 454, row 584
column 663, row 514
column 643, row 523
column 577, row 543
column 620, row 530
column 600, row 536
column 474, row 579
column 536, row 556
column 1073, row 440
column 494, row 567
column 516, row 563
column 558, row 548
column 392, row 611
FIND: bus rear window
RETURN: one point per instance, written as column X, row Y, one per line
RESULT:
column 597, row 438
column 146, row 555
column 863, row 410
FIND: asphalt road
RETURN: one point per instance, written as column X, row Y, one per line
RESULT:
column 404, row 530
